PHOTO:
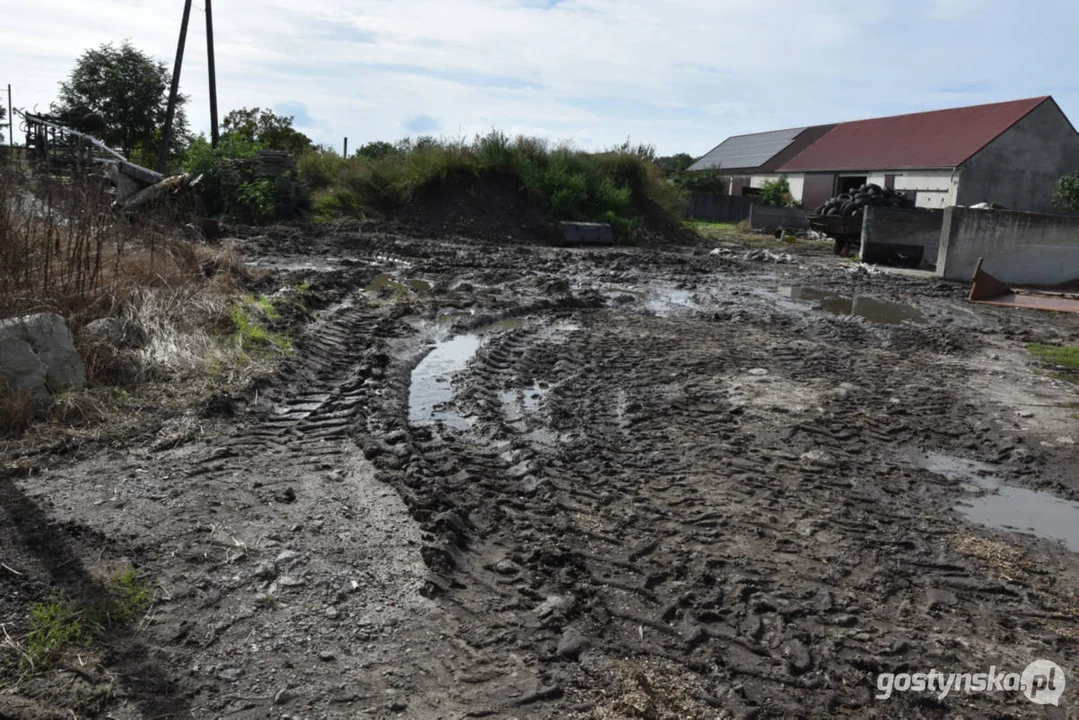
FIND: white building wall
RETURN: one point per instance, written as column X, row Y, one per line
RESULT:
column 936, row 189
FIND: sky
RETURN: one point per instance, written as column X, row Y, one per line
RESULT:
column 681, row 75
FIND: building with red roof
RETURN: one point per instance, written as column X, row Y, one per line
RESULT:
column 1010, row 153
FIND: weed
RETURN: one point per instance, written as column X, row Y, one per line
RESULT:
column 250, row 333
column 1061, row 355
column 53, row 627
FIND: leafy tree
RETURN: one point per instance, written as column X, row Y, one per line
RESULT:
column 703, row 181
column 376, row 150
column 3, row 114
column 672, row 165
column 777, row 193
column 130, row 90
column 1066, row 193
column 268, row 129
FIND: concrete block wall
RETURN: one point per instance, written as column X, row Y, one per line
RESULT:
column 888, row 230
column 766, row 217
column 720, row 208
column 1018, row 248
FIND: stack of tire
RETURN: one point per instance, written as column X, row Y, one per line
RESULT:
column 851, row 203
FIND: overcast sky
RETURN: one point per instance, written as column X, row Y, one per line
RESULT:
column 681, row 75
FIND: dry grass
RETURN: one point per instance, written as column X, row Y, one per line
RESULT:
column 64, row 250
column 649, row 690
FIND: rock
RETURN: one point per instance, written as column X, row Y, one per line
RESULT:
column 115, row 332
column 38, row 355
column 230, row 674
column 555, row 603
column 286, row 556
column 266, row 571
column 572, row 644
column 326, row 656
column 284, row 695
column 797, row 656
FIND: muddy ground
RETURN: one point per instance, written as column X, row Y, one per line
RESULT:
column 516, row 481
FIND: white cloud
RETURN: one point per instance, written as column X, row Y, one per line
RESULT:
column 681, row 74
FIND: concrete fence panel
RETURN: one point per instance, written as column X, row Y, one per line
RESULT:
column 720, row 208
column 1018, row 248
column 891, row 233
column 767, row 217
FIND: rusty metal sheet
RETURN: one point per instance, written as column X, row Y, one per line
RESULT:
column 987, row 290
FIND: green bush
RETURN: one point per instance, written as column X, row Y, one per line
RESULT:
column 616, row 186
column 777, row 193
column 1066, row 194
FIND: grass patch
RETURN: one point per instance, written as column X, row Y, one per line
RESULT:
column 251, row 321
column 60, row 625
column 619, row 186
column 1062, row 355
column 731, row 232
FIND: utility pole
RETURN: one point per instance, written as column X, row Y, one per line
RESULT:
column 346, row 149
column 214, row 136
column 10, row 125
column 170, row 114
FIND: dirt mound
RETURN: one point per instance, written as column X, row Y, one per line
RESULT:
column 497, row 208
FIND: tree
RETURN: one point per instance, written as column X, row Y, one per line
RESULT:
column 265, row 128
column 376, row 150
column 777, row 193
column 130, row 90
column 3, row 114
column 672, row 165
column 1066, row 193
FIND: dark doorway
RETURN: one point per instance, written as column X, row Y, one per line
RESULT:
column 889, row 182
column 850, row 182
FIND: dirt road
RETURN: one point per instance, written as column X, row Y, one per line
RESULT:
column 513, row 481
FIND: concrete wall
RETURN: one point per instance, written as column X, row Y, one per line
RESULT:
column 763, row 216
column 1018, row 248
column 889, row 233
column 719, row 208
column 1019, row 168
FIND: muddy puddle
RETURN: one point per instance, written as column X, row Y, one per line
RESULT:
column 663, row 301
column 872, row 309
column 992, row 503
column 519, row 403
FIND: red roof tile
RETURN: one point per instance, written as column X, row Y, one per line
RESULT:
column 938, row 139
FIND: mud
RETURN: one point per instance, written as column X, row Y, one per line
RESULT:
column 521, row 481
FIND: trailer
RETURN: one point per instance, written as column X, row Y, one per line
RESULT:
column 845, row 231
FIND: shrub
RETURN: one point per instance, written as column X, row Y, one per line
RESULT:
column 777, row 193
column 616, row 186
column 1066, row 194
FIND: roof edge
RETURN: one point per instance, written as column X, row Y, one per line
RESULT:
column 1018, row 120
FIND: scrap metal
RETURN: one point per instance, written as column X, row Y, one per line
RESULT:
column 987, row 290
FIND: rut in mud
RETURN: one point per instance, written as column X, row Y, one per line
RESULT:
column 527, row 482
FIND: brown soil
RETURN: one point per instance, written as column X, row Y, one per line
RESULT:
column 659, row 489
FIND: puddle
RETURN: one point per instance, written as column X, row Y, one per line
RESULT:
column 662, row 301
column 982, row 475
column 431, row 389
column 1005, row 507
column 872, row 309
column 430, row 393
column 520, row 402
column 1029, row 512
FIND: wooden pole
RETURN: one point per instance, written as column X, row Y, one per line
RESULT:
column 174, row 92
column 214, row 136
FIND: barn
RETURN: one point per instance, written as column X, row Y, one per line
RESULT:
column 1010, row 153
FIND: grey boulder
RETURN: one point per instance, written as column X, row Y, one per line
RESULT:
column 38, row 355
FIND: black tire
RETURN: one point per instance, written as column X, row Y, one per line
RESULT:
column 874, row 188
column 838, row 247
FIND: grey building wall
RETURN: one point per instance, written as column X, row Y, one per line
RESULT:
column 719, row 208
column 1019, row 168
column 1017, row 248
column 763, row 216
column 886, row 230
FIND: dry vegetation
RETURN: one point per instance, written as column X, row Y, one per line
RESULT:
column 170, row 298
